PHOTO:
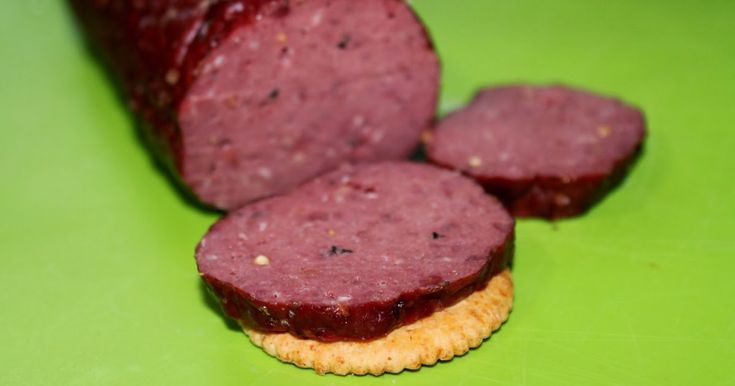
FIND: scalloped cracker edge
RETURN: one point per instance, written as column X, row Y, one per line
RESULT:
column 440, row 337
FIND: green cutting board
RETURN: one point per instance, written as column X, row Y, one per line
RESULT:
column 98, row 284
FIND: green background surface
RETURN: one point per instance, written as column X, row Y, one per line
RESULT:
column 98, row 283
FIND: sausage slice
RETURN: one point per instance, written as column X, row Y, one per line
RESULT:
column 545, row 151
column 356, row 253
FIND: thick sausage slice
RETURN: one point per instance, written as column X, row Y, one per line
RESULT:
column 356, row 253
column 546, row 151
column 249, row 98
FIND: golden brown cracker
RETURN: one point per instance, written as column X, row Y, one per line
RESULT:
column 441, row 336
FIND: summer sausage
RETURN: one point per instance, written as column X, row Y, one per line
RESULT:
column 546, row 151
column 249, row 98
column 357, row 252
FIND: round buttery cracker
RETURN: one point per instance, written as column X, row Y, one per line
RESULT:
column 441, row 336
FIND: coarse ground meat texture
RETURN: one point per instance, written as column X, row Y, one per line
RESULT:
column 545, row 151
column 356, row 253
column 246, row 99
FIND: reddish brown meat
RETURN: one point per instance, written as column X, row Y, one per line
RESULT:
column 357, row 252
column 249, row 98
column 544, row 151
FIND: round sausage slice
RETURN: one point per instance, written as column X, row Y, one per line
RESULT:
column 247, row 99
column 356, row 253
column 545, row 151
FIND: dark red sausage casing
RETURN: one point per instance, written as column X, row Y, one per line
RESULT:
column 356, row 253
column 248, row 98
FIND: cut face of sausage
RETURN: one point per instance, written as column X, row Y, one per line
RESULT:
column 293, row 96
column 248, row 99
column 546, row 151
column 356, row 253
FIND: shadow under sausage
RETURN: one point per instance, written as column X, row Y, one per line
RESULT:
column 211, row 303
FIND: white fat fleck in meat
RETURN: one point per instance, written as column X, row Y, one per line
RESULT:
column 170, row 14
column 242, row 236
column 377, row 136
column 212, row 257
column 262, row 226
column 562, row 199
column 358, row 120
column 236, row 8
column 316, row 19
column 172, row 77
column 503, row 156
column 265, row 173
column 254, row 45
column 446, row 259
column 218, row 61
column 261, row 260
column 604, row 131
column 474, row 161
column 344, row 298
column 371, row 195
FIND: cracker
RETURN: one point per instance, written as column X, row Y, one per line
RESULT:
column 440, row 337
